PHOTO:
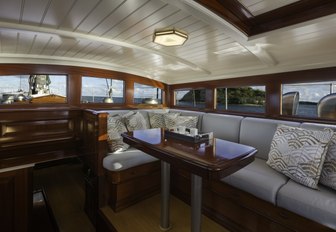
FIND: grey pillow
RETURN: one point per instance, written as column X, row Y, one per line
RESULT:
column 157, row 120
column 299, row 153
column 135, row 121
column 328, row 175
column 116, row 126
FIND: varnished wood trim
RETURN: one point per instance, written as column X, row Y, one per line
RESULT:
column 74, row 75
column 235, row 13
column 273, row 84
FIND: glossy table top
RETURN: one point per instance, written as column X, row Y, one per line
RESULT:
column 215, row 158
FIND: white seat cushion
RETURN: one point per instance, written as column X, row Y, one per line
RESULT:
column 127, row 159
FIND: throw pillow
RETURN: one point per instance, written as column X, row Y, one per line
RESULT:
column 299, row 153
column 157, row 120
column 135, row 121
column 115, row 127
column 172, row 121
column 328, row 175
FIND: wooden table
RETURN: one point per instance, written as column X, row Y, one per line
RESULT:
column 214, row 159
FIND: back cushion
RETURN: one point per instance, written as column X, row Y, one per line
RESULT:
column 223, row 126
column 191, row 113
column 259, row 132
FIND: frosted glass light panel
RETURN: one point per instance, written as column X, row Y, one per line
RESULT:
column 312, row 100
column 99, row 90
column 190, row 98
column 146, row 94
column 33, row 88
column 250, row 99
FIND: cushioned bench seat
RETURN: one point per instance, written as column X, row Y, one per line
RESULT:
column 132, row 157
column 318, row 205
column 258, row 179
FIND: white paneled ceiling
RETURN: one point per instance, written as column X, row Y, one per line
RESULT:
column 117, row 35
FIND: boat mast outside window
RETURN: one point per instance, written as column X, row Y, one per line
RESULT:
column 102, row 90
column 146, row 94
column 35, row 88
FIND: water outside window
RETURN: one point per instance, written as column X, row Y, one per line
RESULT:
column 242, row 99
column 147, row 93
column 95, row 90
column 190, row 98
column 309, row 97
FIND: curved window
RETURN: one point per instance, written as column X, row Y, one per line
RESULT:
column 190, row 98
column 314, row 100
column 102, row 90
column 242, row 99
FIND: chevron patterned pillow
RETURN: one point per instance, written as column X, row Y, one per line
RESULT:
column 299, row 153
column 116, row 126
column 135, row 121
column 328, row 175
column 157, row 120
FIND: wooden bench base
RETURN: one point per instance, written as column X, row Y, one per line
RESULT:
column 130, row 186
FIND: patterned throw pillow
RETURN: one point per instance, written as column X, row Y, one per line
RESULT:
column 157, row 120
column 328, row 175
column 135, row 121
column 299, row 153
column 116, row 126
column 172, row 121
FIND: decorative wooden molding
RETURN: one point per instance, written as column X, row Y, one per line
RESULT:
column 235, row 13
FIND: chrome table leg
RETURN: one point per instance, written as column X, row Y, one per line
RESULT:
column 196, row 203
column 165, row 195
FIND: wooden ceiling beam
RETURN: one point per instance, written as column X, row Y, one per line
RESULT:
column 298, row 12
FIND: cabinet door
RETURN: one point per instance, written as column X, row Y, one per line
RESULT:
column 15, row 200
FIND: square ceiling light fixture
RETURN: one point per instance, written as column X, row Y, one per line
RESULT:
column 169, row 37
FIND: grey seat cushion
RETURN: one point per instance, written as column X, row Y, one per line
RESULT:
column 258, row 179
column 317, row 205
column 123, row 160
column 259, row 132
column 223, row 126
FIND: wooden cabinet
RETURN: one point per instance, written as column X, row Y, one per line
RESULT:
column 16, row 199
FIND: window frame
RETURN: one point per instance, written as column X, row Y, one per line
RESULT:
column 189, row 107
column 102, row 103
column 236, row 111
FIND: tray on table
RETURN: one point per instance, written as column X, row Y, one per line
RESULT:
column 200, row 138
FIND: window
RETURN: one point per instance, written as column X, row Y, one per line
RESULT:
column 33, row 88
column 190, row 98
column 147, row 94
column 242, row 99
column 102, row 90
column 314, row 100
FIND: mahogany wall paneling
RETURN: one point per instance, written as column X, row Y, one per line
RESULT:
column 74, row 83
column 37, row 133
column 16, row 200
column 273, row 84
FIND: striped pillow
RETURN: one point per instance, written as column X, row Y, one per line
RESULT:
column 116, row 126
